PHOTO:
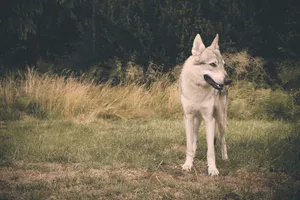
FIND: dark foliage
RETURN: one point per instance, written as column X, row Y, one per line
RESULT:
column 79, row 34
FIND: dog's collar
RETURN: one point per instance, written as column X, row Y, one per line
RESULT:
column 223, row 92
column 220, row 92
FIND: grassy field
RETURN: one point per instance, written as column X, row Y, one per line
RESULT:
column 141, row 159
column 71, row 137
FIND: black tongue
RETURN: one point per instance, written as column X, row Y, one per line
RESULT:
column 210, row 81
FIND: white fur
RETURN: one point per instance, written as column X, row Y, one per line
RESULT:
column 201, row 102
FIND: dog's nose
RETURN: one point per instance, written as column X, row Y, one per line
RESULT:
column 227, row 80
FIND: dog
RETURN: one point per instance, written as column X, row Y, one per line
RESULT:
column 204, row 97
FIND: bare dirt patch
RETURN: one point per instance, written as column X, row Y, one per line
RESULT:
column 167, row 181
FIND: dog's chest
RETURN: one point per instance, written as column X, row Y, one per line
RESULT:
column 194, row 100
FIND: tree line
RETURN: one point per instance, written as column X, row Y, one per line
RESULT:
column 82, row 33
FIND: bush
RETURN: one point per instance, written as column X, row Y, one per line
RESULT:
column 277, row 105
column 132, row 92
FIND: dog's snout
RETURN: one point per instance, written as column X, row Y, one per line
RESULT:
column 227, row 80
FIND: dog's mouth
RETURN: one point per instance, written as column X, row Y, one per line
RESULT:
column 211, row 82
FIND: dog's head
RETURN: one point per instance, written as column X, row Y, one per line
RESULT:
column 210, row 64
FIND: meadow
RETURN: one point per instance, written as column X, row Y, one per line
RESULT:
column 141, row 159
column 64, row 136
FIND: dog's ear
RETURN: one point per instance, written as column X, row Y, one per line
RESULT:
column 215, row 43
column 198, row 46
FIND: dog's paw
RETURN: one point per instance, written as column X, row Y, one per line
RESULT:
column 213, row 171
column 187, row 166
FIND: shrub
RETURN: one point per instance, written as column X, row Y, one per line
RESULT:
column 132, row 92
column 277, row 105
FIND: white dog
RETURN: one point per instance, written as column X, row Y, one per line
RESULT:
column 204, row 97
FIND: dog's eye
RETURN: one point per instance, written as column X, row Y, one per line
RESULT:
column 213, row 64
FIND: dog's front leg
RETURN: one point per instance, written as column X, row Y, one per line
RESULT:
column 190, row 150
column 211, row 160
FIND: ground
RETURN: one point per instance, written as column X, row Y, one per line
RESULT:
column 141, row 159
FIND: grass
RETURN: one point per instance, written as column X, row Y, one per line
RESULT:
column 51, row 96
column 80, row 98
column 68, row 137
column 141, row 159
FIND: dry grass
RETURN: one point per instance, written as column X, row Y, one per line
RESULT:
column 70, row 97
column 245, row 67
column 140, row 158
column 138, row 183
column 137, row 95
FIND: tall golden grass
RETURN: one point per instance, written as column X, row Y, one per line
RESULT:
column 71, row 97
column 80, row 98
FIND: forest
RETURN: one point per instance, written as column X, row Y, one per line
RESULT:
column 84, row 35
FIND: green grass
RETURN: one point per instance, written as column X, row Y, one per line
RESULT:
column 141, row 159
column 67, row 137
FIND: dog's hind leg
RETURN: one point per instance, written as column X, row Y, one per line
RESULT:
column 223, row 141
column 216, row 133
column 190, row 141
column 221, row 124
